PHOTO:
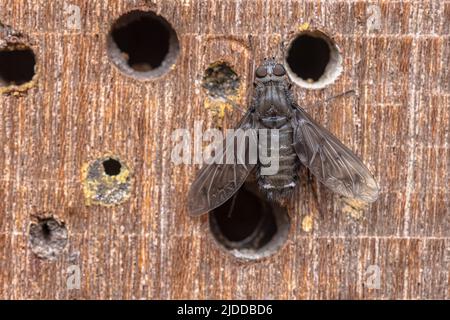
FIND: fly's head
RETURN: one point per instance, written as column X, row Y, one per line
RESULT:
column 270, row 72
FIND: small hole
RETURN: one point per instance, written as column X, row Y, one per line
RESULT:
column 112, row 167
column 106, row 180
column 143, row 44
column 313, row 60
column 16, row 66
column 309, row 57
column 253, row 227
column 46, row 231
column 220, row 80
column 48, row 238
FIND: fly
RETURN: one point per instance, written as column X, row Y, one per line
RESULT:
column 302, row 141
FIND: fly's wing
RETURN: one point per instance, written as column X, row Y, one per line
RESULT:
column 330, row 161
column 217, row 182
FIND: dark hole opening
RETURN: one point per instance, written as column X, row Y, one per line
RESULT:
column 220, row 80
column 144, row 39
column 16, row 67
column 48, row 238
column 250, row 226
column 112, row 167
column 46, row 231
column 308, row 57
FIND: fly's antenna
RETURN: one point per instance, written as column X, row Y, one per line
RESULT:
column 340, row 95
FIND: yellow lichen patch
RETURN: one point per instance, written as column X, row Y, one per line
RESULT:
column 304, row 26
column 307, row 223
column 106, row 181
column 17, row 90
column 354, row 208
column 217, row 107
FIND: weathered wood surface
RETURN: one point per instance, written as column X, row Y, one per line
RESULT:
column 82, row 107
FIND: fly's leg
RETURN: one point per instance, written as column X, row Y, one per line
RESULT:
column 233, row 104
column 233, row 201
column 315, row 193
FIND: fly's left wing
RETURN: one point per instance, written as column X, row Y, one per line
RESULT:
column 330, row 161
column 217, row 182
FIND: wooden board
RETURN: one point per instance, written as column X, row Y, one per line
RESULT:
column 82, row 107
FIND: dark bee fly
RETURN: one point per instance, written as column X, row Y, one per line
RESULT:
column 301, row 141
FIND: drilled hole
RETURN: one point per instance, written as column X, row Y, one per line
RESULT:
column 313, row 60
column 48, row 238
column 16, row 66
column 220, row 80
column 252, row 227
column 112, row 167
column 106, row 181
column 46, row 231
column 143, row 44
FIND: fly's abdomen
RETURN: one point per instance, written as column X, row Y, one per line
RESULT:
column 280, row 185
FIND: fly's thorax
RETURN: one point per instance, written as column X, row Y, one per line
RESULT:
column 272, row 100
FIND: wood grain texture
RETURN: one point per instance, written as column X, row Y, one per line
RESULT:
column 82, row 107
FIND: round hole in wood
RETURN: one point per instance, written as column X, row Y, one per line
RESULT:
column 17, row 65
column 142, row 44
column 249, row 226
column 220, row 80
column 313, row 60
column 112, row 167
column 48, row 238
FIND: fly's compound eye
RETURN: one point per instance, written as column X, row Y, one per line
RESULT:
column 278, row 70
column 261, row 72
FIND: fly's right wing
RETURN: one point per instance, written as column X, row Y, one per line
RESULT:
column 217, row 182
column 330, row 161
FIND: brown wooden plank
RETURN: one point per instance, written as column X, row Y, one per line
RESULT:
column 81, row 107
